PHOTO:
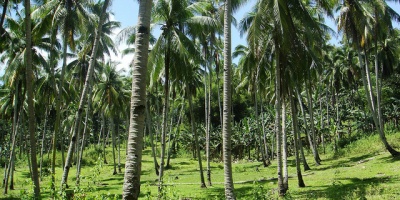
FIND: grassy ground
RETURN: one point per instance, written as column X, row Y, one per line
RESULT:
column 361, row 170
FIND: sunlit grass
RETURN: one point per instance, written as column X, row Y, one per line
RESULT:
column 361, row 170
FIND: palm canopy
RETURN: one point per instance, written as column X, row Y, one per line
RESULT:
column 179, row 26
column 110, row 94
column 67, row 16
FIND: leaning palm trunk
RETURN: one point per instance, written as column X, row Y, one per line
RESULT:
column 29, row 88
column 226, row 119
column 296, row 141
column 85, row 130
column 196, row 138
column 133, row 167
column 371, row 103
column 306, row 127
column 83, row 98
column 149, row 128
column 311, row 110
column 8, row 170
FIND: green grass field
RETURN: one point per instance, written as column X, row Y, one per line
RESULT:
column 361, row 170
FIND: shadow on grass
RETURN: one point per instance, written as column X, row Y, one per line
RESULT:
column 339, row 163
column 357, row 188
column 390, row 159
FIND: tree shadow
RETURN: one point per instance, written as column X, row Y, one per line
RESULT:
column 350, row 162
column 357, row 188
column 390, row 159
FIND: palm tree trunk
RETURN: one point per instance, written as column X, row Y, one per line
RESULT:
column 103, row 121
column 42, row 148
column 370, row 98
column 119, row 149
column 296, row 141
column 8, row 170
column 85, row 130
column 133, row 167
column 208, row 129
column 311, row 110
column 153, row 150
column 196, row 138
column 83, row 98
column 170, row 138
column 306, row 127
column 284, row 147
column 164, row 121
column 112, row 129
column 57, row 123
column 260, row 143
column 278, row 125
column 226, row 119
column 264, row 136
column 29, row 88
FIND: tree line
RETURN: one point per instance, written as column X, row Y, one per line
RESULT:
column 291, row 90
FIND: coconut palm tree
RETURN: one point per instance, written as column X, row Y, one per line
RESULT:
column 353, row 21
column 83, row 97
column 67, row 17
column 29, row 88
column 178, row 24
column 227, row 118
column 131, row 187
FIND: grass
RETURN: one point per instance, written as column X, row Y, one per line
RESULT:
column 360, row 170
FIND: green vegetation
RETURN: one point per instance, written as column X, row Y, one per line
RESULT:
column 362, row 169
column 181, row 120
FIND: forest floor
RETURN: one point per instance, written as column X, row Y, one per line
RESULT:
column 360, row 170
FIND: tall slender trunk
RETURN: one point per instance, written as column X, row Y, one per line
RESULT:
column 170, row 138
column 103, row 121
column 8, row 170
column 264, row 135
column 196, row 139
column 112, row 129
column 85, row 130
column 284, row 147
column 165, row 116
column 83, row 98
column 58, row 102
column 42, row 148
column 306, row 127
column 296, row 141
column 260, row 143
column 278, row 125
column 370, row 100
column 208, row 128
column 29, row 88
column 119, row 149
column 322, row 124
column 149, row 128
column 312, row 126
column 131, row 187
column 227, row 118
